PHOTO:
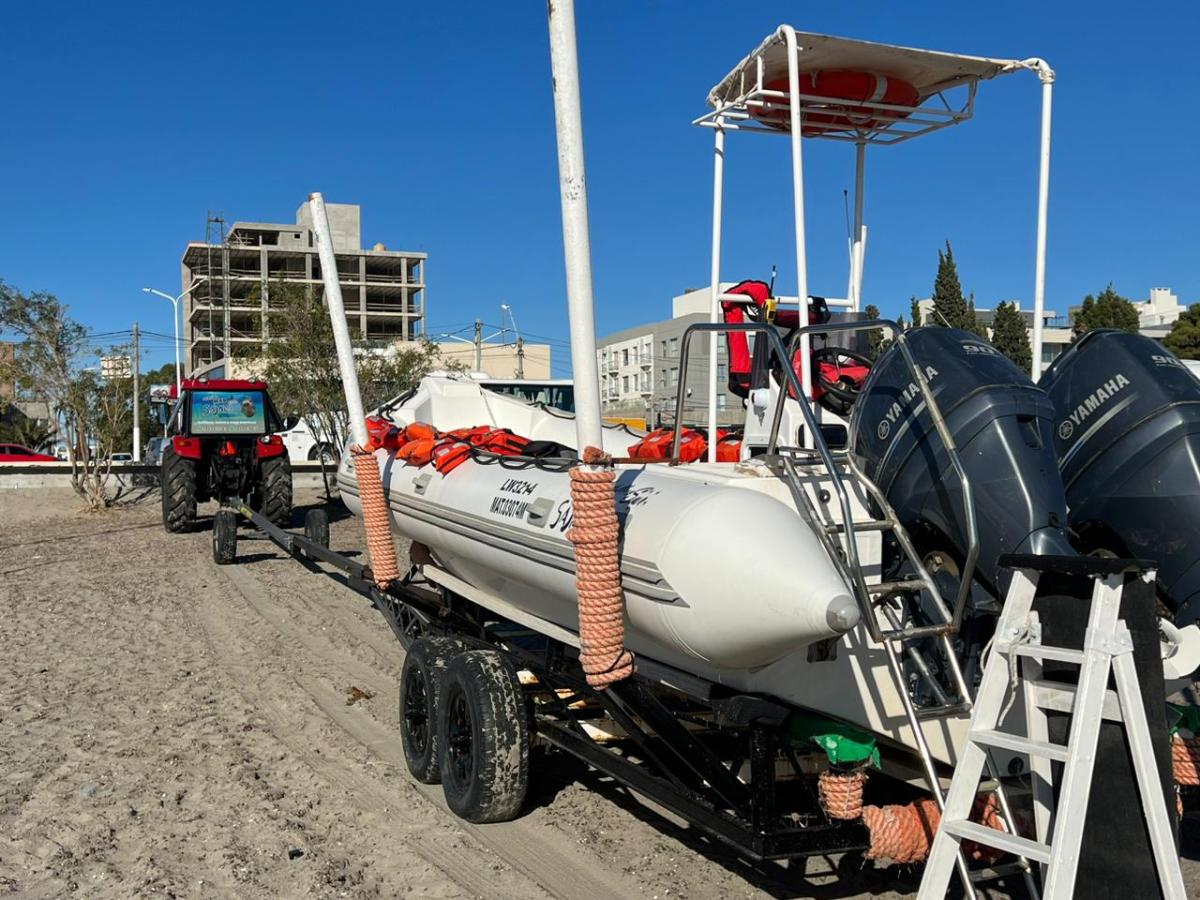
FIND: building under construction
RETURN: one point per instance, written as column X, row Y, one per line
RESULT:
column 234, row 276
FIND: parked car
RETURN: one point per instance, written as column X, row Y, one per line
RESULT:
column 121, row 457
column 153, row 453
column 15, row 453
column 302, row 446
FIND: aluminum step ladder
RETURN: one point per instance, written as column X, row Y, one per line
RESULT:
column 1107, row 648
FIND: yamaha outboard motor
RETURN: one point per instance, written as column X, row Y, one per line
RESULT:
column 1128, row 442
column 1003, row 427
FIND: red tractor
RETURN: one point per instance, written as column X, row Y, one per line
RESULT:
column 223, row 447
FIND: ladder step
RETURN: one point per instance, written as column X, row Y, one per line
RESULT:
column 1018, row 744
column 1001, row 840
column 1061, row 698
column 941, row 712
column 873, row 525
column 891, row 587
column 1041, row 651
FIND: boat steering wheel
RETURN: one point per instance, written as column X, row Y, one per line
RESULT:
column 843, row 389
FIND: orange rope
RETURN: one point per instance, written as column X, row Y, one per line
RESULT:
column 1185, row 760
column 841, row 793
column 904, row 834
column 376, row 519
column 595, row 533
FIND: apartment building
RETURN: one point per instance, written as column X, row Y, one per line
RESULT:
column 230, row 276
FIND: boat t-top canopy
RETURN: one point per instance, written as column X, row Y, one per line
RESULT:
column 806, row 85
column 758, row 85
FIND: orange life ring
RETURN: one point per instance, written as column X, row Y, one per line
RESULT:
column 841, row 84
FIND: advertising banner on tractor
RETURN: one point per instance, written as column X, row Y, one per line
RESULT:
column 228, row 412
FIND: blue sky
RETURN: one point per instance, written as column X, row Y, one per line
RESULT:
column 126, row 122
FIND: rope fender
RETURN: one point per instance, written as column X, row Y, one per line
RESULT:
column 595, row 532
column 376, row 519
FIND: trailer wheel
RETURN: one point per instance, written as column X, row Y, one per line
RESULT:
column 177, row 481
column 420, row 687
column 224, row 537
column 316, row 527
column 275, row 489
column 484, row 734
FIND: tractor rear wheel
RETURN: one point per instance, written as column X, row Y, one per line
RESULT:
column 178, row 485
column 275, row 490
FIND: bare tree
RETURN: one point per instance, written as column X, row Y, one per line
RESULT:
column 48, row 366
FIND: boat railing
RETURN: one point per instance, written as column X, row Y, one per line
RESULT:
column 830, row 460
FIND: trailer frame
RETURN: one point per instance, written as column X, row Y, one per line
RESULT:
column 669, row 718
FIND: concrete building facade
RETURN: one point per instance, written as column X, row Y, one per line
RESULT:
column 231, row 303
column 640, row 368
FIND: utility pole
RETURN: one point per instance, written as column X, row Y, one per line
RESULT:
column 137, row 413
column 521, row 358
column 478, row 345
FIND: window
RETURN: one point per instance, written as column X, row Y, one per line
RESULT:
column 674, row 378
column 662, row 377
column 720, row 401
column 625, row 385
column 674, row 347
column 645, row 381
column 720, row 348
column 625, row 357
column 663, row 349
column 646, row 352
column 722, row 372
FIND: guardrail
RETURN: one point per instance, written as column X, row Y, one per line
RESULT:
column 129, row 475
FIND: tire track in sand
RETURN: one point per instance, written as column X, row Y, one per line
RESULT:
column 439, row 843
column 547, row 856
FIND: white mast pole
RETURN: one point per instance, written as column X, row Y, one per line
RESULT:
column 789, row 36
column 1046, row 75
column 337, row 315
column 715, row 305
column 860, row 238
column 568, row 121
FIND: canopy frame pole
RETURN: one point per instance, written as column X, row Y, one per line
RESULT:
column 1046, row 76
column 572, row 179
column 796, row 116
column 714, row 313
column 858, row 256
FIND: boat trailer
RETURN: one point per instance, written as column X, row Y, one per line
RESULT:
column 703, row 752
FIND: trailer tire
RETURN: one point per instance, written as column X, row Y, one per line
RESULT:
column 177, row 482
column 316, row 527
column 275, row 489
column 420, row 687
column 224, row 537
column 483, row 730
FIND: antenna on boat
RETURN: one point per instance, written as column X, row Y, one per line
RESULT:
column 771, row 289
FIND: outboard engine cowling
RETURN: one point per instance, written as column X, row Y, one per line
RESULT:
column 1128, row 444
column 1003, row 427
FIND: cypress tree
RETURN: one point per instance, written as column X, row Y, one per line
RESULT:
column 949, row 307
column 1010, row 337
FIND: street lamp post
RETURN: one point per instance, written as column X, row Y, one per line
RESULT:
column 175, row 325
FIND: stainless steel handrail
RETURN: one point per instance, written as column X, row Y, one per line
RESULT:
column 810, row 422
column 939, row 424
